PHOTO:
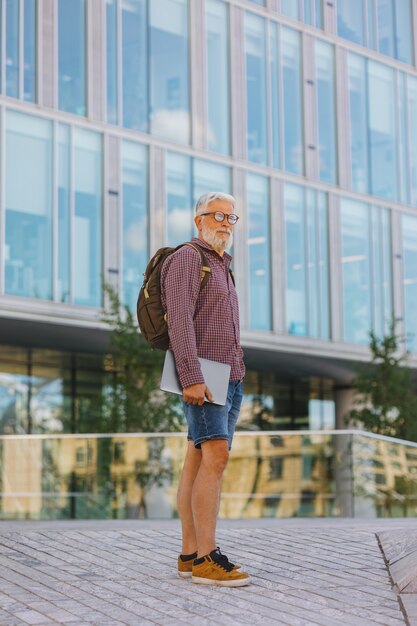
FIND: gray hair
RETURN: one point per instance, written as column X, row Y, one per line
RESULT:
column 204, row 200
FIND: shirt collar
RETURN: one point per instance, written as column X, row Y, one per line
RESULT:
column 207, row 246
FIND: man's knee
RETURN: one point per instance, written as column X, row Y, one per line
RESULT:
column 215, row 455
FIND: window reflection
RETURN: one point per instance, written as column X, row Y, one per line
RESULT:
column 367, row 273
column 12, row 48
column 293, row 104
column 87, row 219
column 169, row 97
column 112, row 61
column 28, row 206
column 135, row 66
column 258, row 208
column 179, row 202
column 217, row 46
column 326, row 112
column 135, row 219
column 72, row 56
column 358, row 123
column 307, row 302
column 29, row 78
column 409, row 236
column 64, row 213
column 256, row 88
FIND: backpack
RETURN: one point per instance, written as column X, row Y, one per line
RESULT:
column 150, row 311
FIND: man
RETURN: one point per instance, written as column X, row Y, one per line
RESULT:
column 205, row 323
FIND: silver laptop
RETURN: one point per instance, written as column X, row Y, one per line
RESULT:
column 216, row 376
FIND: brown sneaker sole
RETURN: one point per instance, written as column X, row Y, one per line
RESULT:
column 237, row 582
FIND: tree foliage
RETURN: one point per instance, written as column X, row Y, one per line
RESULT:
column 133, row 401
column 385, row 399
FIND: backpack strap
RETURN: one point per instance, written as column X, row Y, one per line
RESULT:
column 205, row 268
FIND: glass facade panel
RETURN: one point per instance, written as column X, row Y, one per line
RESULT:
column 87, row 219
column 350, row 20
column 409, row 235
column 307, row 272
column 403, row 30
column 28, row 248
column 274, row 68
column 135, row 66
column 259, row 252
column 12, row 48
column 179, row 202
column 169, row 93
column 412, row 134
column 72, row 56
column 218, row 97
column 64, row 222
column 295, row 255
column 291, row 8
column 356, row 271
column 385, row 27
column 256, row 89
column 326, row 112
column 210, row 177
column 29, row 79
column 403, row 135
column 358, row 113
column 135, row 219
column 382, row 131
column 292, row 99
column 112, row 58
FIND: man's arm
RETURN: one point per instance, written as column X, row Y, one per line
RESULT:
column 181, row 288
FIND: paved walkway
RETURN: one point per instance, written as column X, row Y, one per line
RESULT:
column 305, row 572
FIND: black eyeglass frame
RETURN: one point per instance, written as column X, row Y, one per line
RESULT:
column 223, row 215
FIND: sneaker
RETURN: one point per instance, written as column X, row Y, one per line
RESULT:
column 185, row 563
column 215, row 569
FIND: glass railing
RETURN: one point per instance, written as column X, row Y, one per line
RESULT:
column 343, row 473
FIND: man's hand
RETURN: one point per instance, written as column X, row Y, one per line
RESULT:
column 196, row 394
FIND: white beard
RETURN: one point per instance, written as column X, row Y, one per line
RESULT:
column 217, row 243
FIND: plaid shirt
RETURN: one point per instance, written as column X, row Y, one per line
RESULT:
column 201, row 323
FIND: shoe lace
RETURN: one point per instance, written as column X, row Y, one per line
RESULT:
column 223, row 561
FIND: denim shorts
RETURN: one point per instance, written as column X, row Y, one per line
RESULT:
column 212, row 421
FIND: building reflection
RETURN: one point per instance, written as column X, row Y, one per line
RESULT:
column 269, row 475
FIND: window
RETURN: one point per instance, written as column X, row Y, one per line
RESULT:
column 372, row 97
column 409, row 235
column 382, row 133
column 28, row 248
column 218, row 97
column 179, row 203
column 350, row 20
column 256, row 88
column 134, row 64
column 135, row 219
column 292, row 98
column 12, row 48
column 72, row 56
column 326, row 125
column 307, row 11
column 210, row 177
column 307, row 280
column 366, row 269
column 259, row 252
column 112, row 61
column 384, row 25
column 64, row 221
column 168, row 45
column 87, row 219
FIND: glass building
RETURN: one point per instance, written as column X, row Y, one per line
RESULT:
column 115, row 115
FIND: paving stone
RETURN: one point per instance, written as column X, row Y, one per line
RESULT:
column 305, row 573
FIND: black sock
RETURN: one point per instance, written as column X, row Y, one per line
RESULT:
column 188, row 557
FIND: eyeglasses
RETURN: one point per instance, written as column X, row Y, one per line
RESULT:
column 219, row 217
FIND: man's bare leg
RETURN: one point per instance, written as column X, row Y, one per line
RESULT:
column 185, row 487
column 206, row 493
